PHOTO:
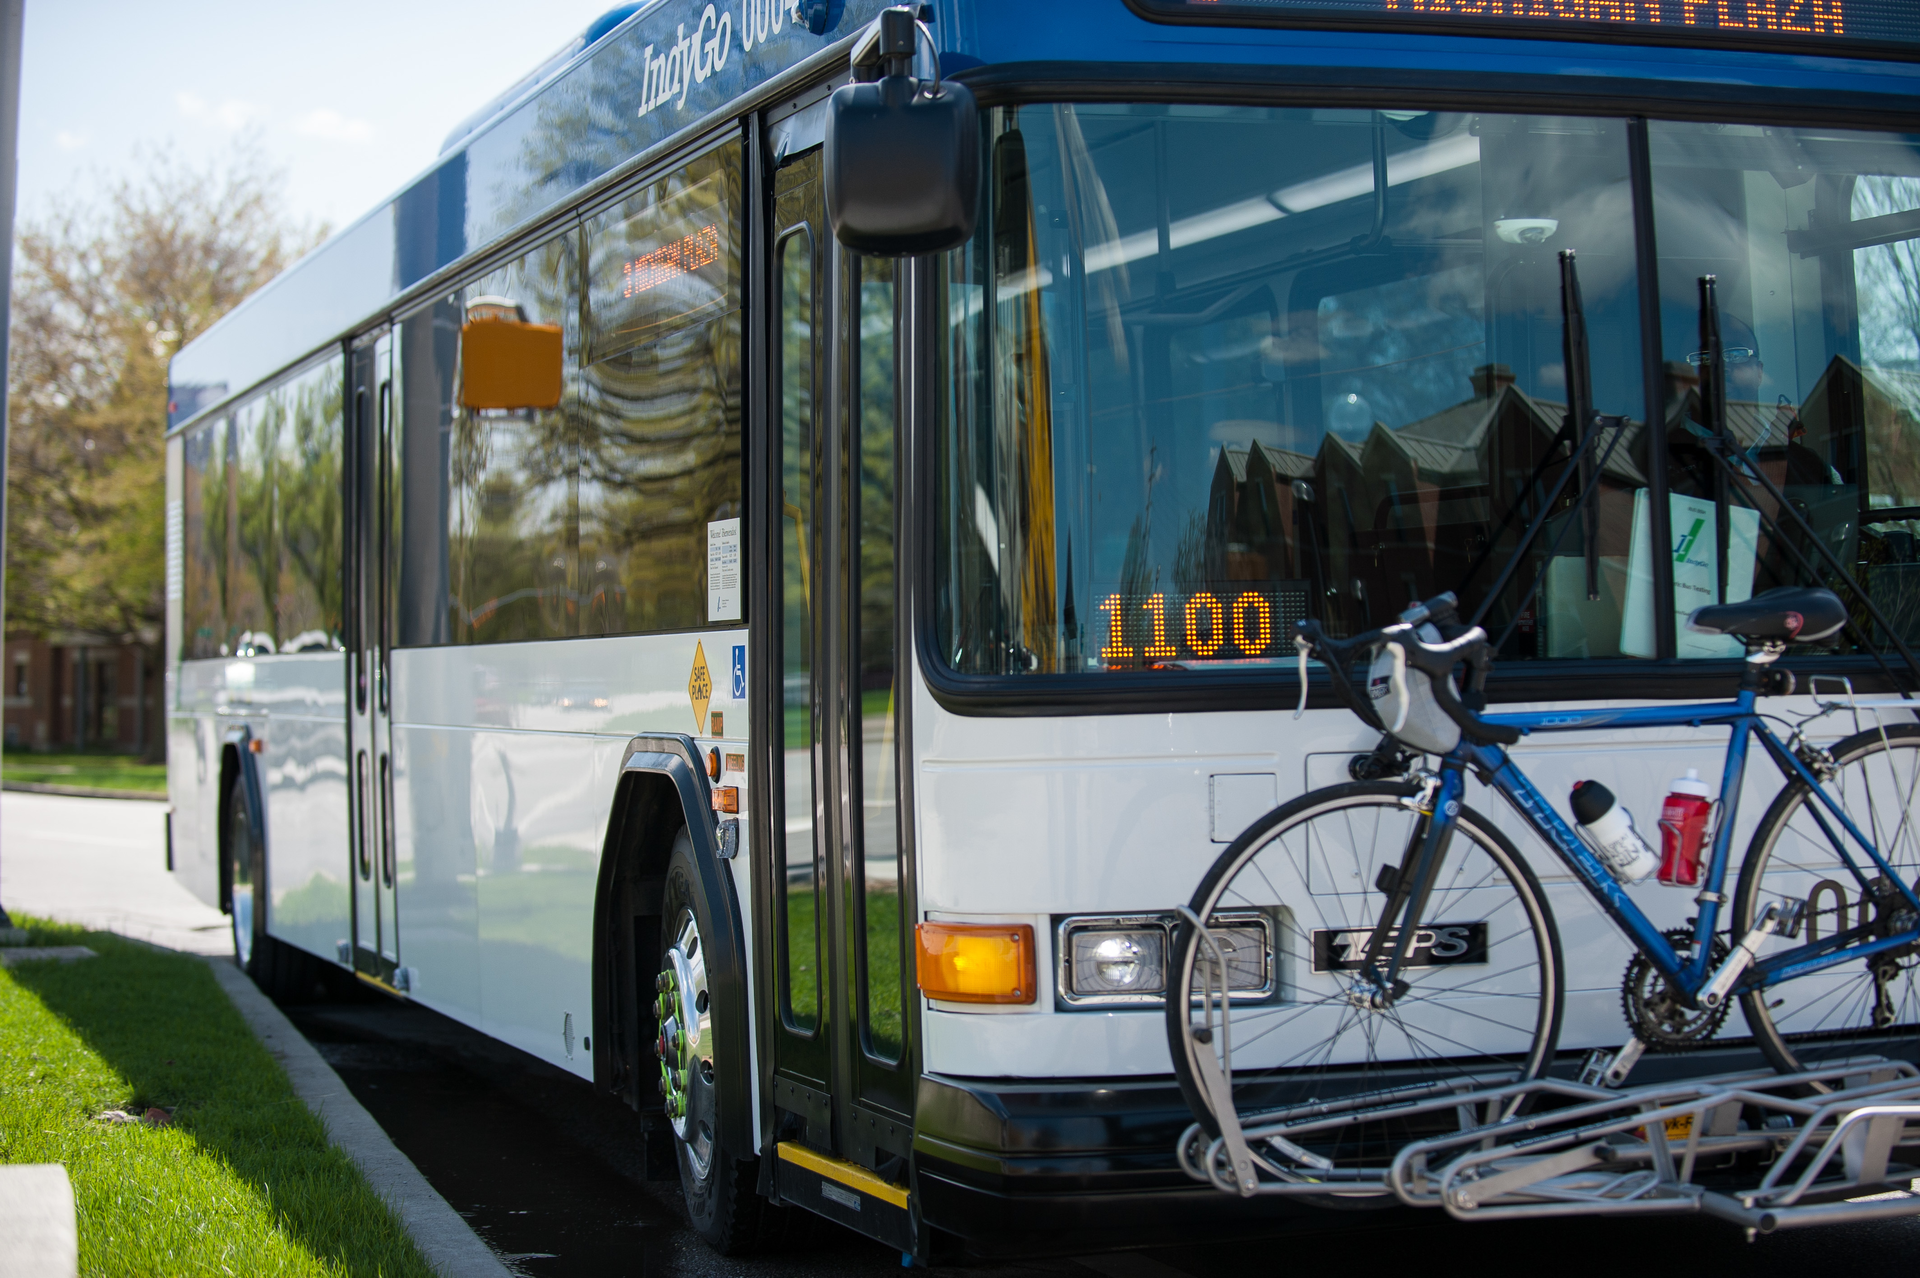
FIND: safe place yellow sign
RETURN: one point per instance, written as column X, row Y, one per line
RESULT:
column 700, row 688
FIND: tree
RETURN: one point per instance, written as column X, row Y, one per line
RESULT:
column 105, row 291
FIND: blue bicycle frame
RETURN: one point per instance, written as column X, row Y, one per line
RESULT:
column 1494, row 766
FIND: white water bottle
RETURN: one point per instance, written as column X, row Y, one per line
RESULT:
column 1607, row 828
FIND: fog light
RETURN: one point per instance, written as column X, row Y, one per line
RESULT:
column 1116, row 960
column 1244, row 945
column 1124, row 961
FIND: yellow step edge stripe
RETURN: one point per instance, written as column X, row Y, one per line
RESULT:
column 846, row 1173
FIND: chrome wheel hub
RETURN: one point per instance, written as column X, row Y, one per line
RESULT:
column 684, row 1048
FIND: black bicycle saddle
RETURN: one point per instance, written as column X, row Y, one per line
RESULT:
column 1797, row 614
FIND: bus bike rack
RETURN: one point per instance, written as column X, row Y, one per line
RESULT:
column 1659, row 1149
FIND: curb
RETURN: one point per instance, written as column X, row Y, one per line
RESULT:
column 83, row 791
column 447, row 1242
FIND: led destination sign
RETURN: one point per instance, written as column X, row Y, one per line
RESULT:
column 1881, row 24
column 1236, row 621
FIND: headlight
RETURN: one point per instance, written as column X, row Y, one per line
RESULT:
column 1108, row 960
column 1119, row 961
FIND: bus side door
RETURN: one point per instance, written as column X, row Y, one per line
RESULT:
column 839, row 1019
column 371, row 427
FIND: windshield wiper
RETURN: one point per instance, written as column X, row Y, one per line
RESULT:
column 1581, row 428
column 1723, row 449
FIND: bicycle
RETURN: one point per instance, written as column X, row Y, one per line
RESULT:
column 1382, row 939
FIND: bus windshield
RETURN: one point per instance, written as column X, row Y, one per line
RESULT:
column 1215, row 369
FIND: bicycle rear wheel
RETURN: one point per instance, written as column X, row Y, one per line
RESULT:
column 1865, row 1005
column 1294, row 899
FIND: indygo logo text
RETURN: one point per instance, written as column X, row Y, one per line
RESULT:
column 692, row 58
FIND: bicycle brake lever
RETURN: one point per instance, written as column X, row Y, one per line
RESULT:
column 1301, row 646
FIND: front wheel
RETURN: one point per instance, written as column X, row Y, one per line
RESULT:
column 719, row 1183
column 1870, row 1004
column 1293, row 901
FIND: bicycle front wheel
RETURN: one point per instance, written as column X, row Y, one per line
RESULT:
column 1863, row 1005
column 1293, row 901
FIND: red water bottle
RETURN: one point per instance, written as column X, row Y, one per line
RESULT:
column 1683, row 829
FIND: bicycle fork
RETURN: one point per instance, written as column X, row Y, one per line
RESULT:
column 1409, row 885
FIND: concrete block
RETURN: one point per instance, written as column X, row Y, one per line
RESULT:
column 39, row 1235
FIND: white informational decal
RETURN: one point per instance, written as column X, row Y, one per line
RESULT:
column 1695, row 578
column 723, row 570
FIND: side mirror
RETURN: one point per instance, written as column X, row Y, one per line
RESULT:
column 902, row 154
column 507, row 363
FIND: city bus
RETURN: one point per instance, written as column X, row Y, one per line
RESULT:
column 790, row 686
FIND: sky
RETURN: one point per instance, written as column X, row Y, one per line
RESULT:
column 351, row 99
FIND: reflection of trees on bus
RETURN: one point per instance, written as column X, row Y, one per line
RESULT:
column 263, row 535
column 591, row 517
column 660, row 426
column 512, row 471
column 308, row 478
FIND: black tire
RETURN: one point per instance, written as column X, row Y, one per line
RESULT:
column 718, row 1183
column 1831, row 1014
column 283, row 973
column 1340, row 1048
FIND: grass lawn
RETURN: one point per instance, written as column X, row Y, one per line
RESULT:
column 99, row 771
column 243, row 1183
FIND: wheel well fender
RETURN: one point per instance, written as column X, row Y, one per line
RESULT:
column 662, row 787
column 237, row 767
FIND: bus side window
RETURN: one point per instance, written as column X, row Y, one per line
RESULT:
column 513, row 530
column 203, row 621
column 659, row 419
column 800, row 951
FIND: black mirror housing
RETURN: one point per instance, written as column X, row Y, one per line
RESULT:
column 902, row 165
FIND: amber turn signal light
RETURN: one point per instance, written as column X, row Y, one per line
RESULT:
column 975, row 962
column 726, row 799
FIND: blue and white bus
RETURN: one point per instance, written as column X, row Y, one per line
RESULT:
column 790, row 687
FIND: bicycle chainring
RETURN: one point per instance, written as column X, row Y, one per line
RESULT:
column 1660, row 1018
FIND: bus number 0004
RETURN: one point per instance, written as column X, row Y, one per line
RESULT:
column 1208, row 624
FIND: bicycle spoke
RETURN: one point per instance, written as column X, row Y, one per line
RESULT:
column 1875, row 786
column 1322, row 1034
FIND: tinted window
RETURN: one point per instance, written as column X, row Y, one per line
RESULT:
column 796, row 200
column 660, row 404
column 263, row 532
column 306, row 426
column 203, row 607
column 254, row 573
column 512, row 528
column 429, row 358
column 1811, row 236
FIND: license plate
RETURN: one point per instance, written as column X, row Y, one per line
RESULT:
column 1434, row 945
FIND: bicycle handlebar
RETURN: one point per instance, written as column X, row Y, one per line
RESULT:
column 1436, row 661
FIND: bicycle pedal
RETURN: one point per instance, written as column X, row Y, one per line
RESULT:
column 1793, row 913
column 1601, row 1068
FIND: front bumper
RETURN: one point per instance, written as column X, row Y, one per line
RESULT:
column 1021, row 1167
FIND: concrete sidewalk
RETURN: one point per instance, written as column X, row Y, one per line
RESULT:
column 101, row 863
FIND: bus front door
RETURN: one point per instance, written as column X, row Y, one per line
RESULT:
column 369, row 515
column 840, row 913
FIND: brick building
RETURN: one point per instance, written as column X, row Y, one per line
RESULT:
column 78, row 691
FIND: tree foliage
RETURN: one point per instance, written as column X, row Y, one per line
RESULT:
column 105, row 291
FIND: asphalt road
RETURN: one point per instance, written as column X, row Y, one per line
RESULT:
column 553, row 1177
